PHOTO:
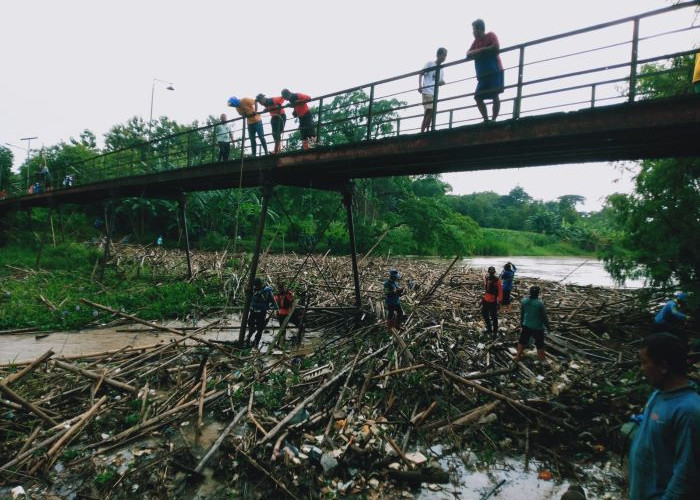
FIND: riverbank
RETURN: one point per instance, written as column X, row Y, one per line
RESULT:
column 147, row 280
column 358, row 411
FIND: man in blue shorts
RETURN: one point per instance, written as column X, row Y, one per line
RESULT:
column 489, row 69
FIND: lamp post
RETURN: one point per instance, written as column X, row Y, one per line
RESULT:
column 153, row 90
column 26, row 170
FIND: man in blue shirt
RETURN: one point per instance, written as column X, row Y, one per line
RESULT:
column 261, row 300
column 392, row 297
column 671, row 318
column 507, row 276
column 664, row 459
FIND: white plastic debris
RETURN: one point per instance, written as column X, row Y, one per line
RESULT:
column 17, row 492
column 416, row 457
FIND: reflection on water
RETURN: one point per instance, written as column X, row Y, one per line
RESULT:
column 472, row 482
column 575, row 270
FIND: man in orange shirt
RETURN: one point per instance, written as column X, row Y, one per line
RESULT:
column 248, row 108
column 275, row 107
column 491, row 300
column 307, row 128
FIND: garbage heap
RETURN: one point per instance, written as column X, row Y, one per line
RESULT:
column 354, row 409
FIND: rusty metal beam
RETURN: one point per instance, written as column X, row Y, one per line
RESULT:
column 658, row 128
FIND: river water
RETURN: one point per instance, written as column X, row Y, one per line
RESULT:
column 574, row 270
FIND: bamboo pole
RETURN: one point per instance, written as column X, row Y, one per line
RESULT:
column 96, row 376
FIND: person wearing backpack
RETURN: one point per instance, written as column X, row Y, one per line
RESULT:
column 491, row 300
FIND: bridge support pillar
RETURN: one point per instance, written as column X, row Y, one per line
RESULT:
column 42, row 237
column 108, row 222
column 267, row 194
column 182, row 206
column 347, row 201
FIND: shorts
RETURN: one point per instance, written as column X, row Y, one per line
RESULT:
column 277, row 123
column 428, row 101
column 489, row 86
column 526, row 333
column 307, row 128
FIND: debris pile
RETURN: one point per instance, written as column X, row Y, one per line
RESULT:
column 357, row 409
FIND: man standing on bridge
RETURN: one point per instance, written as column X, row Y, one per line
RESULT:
column 275, row 107
column 248, row 108
column 223, row 138
column 489, row 69
column 307, row 128
column 432, row 72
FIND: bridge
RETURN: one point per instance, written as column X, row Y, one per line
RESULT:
column 558, row 107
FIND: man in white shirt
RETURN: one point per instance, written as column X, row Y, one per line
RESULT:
column 224, row 138
column 426, row 85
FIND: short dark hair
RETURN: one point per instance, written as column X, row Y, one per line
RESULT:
column 442, row 50
column 479, row 23
column 534, row 291
column 667, row 348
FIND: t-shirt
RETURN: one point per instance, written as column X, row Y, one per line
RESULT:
column 222, row 132
column 429, row 71
column 489, row 63
column 391, row 295
column 301, row 108
column 533, row 314
column 664, row 459
column 247, row 109
column 273, row 106
column 696, row 74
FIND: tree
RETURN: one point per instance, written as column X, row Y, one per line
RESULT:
column 658, row 226
column 6, row 158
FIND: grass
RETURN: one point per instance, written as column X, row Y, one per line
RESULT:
column 65, row 277
column 505, row 242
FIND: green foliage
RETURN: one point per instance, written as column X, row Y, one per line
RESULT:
column 6, row 175
column 659, row 225
column 132, row 419
column 65, row 278
column 506, row 242
column 105, row 477
column 656, row 229
column 665, row 80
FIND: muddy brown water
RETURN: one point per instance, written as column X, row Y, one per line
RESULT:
column 25, row 347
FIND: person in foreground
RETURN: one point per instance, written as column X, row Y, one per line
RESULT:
column 664, row 458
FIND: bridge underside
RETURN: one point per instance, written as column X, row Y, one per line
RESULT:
column 645, row 129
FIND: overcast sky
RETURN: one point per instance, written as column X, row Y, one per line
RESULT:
column 72, row 65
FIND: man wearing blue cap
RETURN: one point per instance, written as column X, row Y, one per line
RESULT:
column 392, row 295
column 248, row 108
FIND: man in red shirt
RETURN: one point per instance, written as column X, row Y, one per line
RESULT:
column 491, row 301
column 489, row 69
column 307, row 128
column 278, row 118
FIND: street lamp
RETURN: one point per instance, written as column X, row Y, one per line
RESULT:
column 26, row 170
column 153, row 90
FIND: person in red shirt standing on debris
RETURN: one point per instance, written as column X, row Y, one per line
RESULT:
column 307, row 128
column 491, row 300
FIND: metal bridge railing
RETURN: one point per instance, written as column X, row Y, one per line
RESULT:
column 542, row 76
